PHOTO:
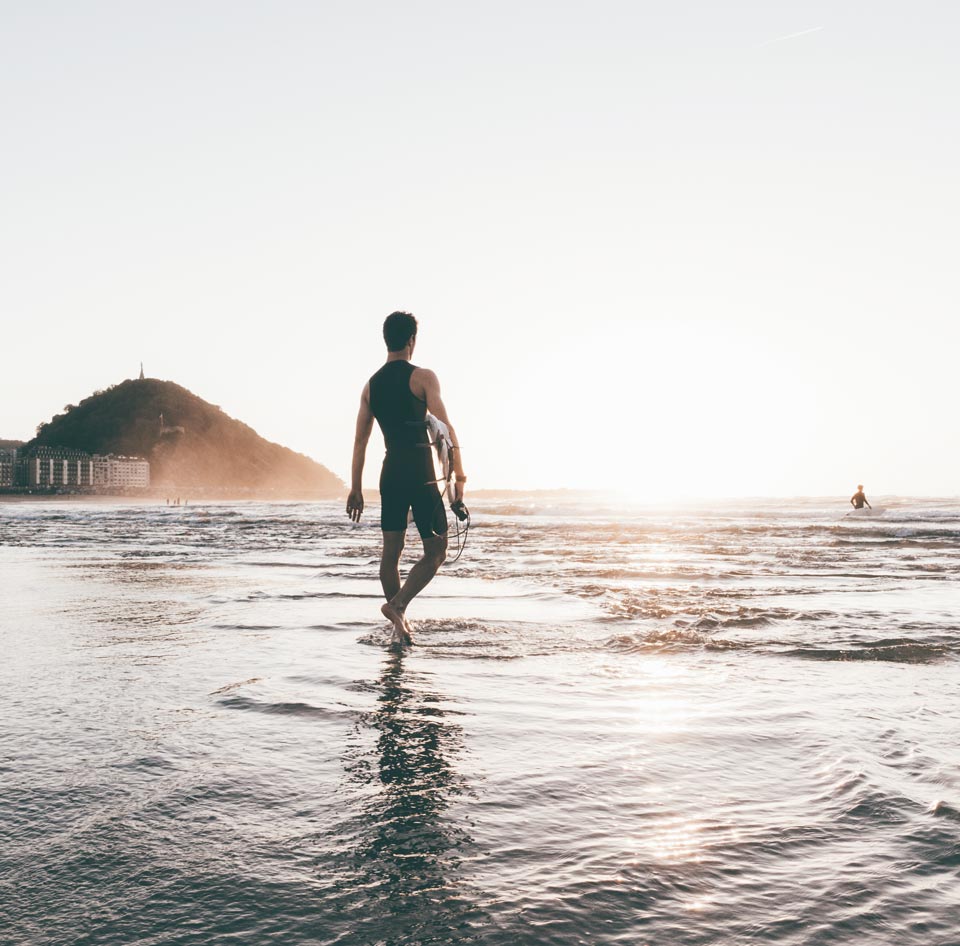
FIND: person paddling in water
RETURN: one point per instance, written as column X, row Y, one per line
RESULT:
column 858, row 500
column 398, row 396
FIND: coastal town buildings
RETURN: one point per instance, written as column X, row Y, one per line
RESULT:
column 7, row 461
column 66, row 468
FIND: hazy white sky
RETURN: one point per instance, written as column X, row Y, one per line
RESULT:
column 671, row 248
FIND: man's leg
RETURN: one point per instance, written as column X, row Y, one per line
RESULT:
column 390, row 582
column 390, row 563
column 434, row 553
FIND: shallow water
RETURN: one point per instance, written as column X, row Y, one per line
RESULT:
column 690, row 726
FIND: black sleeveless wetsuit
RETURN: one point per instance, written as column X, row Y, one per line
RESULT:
column 407, row 479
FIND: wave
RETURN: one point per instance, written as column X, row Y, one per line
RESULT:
column 245, row 627
column 895, row 650
column 304, row 710
column 234, row 686
column 677, row 638
column 942, row 809
column 912, row 652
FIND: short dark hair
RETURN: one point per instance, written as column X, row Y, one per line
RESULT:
column 398, row 329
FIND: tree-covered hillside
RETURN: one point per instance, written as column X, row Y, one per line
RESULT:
column 196, row 445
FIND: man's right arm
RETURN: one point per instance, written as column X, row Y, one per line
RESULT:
column 362, row 436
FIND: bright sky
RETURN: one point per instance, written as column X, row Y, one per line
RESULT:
column 682, row 248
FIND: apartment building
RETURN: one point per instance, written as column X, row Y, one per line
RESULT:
column 120, row 472
column 7, row 464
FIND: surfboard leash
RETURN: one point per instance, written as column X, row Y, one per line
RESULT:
column 460, row 533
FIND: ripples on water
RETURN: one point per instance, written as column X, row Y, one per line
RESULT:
column 705, row 726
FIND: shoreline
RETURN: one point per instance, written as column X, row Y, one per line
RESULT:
column 161, row 500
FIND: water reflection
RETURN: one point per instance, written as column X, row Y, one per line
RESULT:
column 134, row 602
column 405, row 880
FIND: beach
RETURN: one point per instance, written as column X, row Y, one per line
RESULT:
column 704, row 724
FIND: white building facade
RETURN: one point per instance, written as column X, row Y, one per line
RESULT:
column 121, row 472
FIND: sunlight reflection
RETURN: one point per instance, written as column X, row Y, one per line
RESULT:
column 659, row 706
column 676, row 839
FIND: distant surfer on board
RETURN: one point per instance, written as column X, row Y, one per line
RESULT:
column 858, row 500
column 398, row 396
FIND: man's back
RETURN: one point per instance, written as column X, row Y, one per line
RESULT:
column 401, row 415
column 399, row 412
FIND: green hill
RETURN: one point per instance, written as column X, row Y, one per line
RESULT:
column 10, row 444
column 197, row 446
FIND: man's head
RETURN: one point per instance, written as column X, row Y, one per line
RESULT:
column 860, row 487
column 399, row 328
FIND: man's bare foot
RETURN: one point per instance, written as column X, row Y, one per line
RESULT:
column 401, row 630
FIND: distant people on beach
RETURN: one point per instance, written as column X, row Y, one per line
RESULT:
column 858, row 500
column 398, row 397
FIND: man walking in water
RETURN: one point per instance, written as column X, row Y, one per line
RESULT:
column 858, row 500
column 399, row 396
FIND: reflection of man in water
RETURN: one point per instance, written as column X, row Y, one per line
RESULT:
column 399, row 396
column 399, row 861
column 858, row 500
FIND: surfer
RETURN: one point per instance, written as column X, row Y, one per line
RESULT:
column 398, row 396
column 858, row 500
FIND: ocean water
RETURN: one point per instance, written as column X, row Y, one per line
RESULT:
column 725, row 725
